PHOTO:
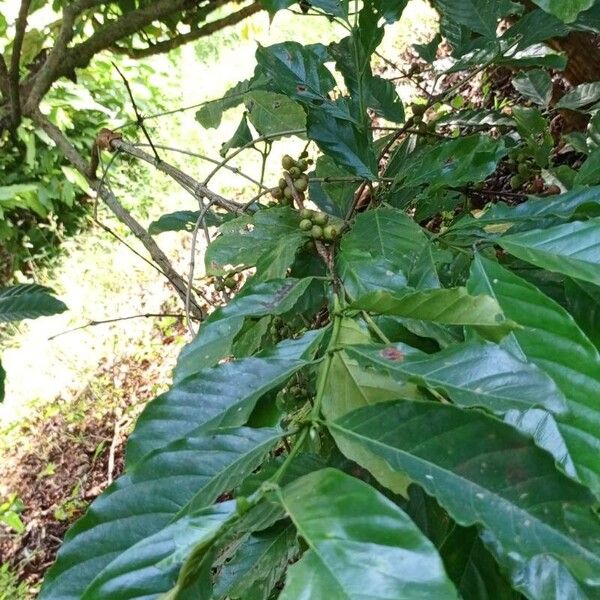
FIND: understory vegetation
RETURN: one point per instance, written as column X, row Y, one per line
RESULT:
column 393, row 386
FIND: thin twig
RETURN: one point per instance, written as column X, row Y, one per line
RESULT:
column 138, row 116
column 116, row 320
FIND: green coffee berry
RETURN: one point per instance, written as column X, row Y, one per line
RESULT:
column 316, row 232
column 287, row 193
column 320, row 219
column 301, row 184
column 516, row 182
column 287, row 162
column 306, row 213
column 419, row 110
column 295, row 172
column 230, row 283
column 524, row 170
column 282, row 183
column 303, row 165
column 306, row 225
column 304, row 154
column 329, row 233
column 277, row 193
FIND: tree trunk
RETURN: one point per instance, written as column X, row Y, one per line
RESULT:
column 583, row 53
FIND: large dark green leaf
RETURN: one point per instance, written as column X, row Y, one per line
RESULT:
column 390, row 10
column 346, row 524
column 535, row 85
column 258, row 565
column 581, row 96
column 482, row 472
column 215, row 338
column 247, row 239
column 481, row 375
column 447, row 306
column 335, row 196
column 452, row 163
column 154, row 564
column 214, row 397
column 301, row 75
column 28, row 301
column 272, row 113
column 341, row 140
column 390, row 234
column 551, row 339
column 472, row 374
column 583, row 300
column 180, row 478
column 384, row 100
column 572, row 249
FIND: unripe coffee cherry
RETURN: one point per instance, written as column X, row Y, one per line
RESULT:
column 277, row 193
column 516, row 182
column 320, row 219
column 306, row 213
column 316, row 232
column 287, row 162
column 303, row 165
column 306, row 225
column 230, row 283
column 301, row 184
column 288, row 193
column 329, row 233
column 295, row 172
column 282, row 183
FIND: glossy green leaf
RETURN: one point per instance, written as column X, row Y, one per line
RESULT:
column 274, row 5
column 472, row 568
column 452, row 163
column 213, row 397
column 482, row 375
column 565, row 11
column 483, row 472
column 272, row 113
column 447, row 306
column 390, row 10
column 334, row 196
column 217, row 333
column 476, row 117
column 247, row 239
column 581, row 96
column 551, row 339
column 241, row 137
column 572, row 249
column 471, row 374
column 301, row 75
column 28, row 301
column 181, row 220
column 481, row 16
column 535, row 85
column 392, row 235
column 384, row 100
column 258, row 565
column 341, row 140
column 153, row 565
column 346, row 523
column 583, row 300
column 180, row 478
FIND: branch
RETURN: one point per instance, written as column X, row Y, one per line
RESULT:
column 158, row 256
column 4, row 78
column 80, row 55
column 15, row 63
column 184, row 38
column 198, row 189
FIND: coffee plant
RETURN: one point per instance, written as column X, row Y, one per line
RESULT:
column 402, row 397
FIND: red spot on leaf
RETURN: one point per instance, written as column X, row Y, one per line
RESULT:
column 301, row 88
column 392, row 354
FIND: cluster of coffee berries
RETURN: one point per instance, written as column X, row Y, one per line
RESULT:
column 296, row 170
column 294, row 395
column 282, row 329
column 527, row 174
column 316, row 223
column 230, row 282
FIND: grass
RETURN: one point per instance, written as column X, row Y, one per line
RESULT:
column 68, row 393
